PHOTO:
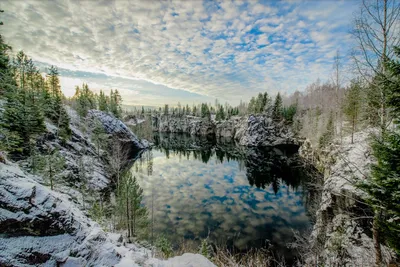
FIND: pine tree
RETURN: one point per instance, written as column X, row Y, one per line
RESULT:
column 130, row 197
column 328, row 135
column 352, row 105
column 116, row 103
column 55, row 110
column 22, row 117
column 220, row 113
column 277, row 109
column 103, row 102
column 52, row 164
column 166, row 109
column 99, row 135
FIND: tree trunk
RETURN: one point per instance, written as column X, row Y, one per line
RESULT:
column 377, row 241
column 127, row 213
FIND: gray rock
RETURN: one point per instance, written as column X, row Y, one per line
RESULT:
column 258, row 130
column 118, row 129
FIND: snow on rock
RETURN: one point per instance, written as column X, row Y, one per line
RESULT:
column 118, row 129
column 257, row 130
column 186, row 260
column 42, row 227
column 344, row 164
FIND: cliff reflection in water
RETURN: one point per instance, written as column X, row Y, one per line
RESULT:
column 243, row 197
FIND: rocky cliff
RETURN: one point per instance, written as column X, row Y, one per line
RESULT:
column 44, row 227
column 342, row 232
column 257, row 130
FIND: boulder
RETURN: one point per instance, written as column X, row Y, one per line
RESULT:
column 118, row 129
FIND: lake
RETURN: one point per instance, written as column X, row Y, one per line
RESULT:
column 240, row 197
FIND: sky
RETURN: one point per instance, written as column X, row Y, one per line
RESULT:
column 165, row 52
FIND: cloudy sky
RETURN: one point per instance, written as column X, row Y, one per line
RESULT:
column 188, row 51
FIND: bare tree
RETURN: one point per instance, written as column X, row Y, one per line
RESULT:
column 376, row 30
column 117, row 159
column 337, row 80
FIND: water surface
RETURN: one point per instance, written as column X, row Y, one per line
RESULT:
column 240, row 197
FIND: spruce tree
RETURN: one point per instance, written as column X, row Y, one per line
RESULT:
column 383, row 186
column 277, row 109
column 22, row 117
column 103, row 102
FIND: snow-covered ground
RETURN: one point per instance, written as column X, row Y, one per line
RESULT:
column 337, row 225
column 43, row 227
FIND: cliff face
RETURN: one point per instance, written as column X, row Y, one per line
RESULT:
column 246, row 131
column 342, row 233
column 44, row 227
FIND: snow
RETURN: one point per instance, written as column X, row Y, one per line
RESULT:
column 43, row 227
column 345, row 164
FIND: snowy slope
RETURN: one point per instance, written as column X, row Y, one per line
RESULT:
column 42, row 227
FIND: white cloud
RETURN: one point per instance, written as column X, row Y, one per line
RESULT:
column 201, row 47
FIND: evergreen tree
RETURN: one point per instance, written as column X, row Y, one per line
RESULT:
column 352, row 105
column 220, row 113
column 130, row 197
column 54, row 108
column 22, row 117
column 277, row 109
column 52, row 164
column 85, row 100
column 115, row 103
column 252, row 105
column 103, row 102
column 383, row 185
column 188, row 111
column 99, row 135
column 288, row 113
column 194, row 111
column 205, row 112
column 328, row 135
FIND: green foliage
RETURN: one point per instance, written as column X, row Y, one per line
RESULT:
column 277, row 108
column 116, row 103
column 257, row 105
column 50, row 165
column 352, row 104
column 164, row 246
column 97, row 212
column 328, row 135
column 99, row 135
column 288, row 113
column 166, row 110
column 85, row 100
column 220, row 113
column 130, row 196
column 103, row 101
column 23, row 117
column 383, row 186
column 205, row 111
column 205, row 248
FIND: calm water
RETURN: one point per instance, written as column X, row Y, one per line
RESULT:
column 239, row 197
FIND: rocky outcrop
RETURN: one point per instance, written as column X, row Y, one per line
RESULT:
column 247, row 131
column 41, row 227
column 117, row 129
column 342, row 233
